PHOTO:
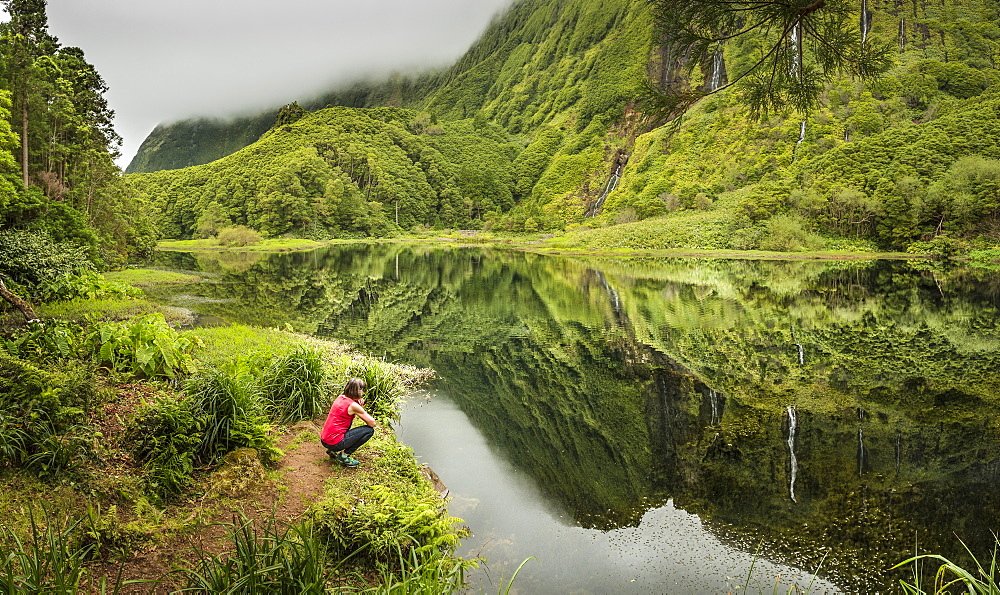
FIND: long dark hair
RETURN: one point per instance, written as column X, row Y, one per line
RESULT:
column 354, row 388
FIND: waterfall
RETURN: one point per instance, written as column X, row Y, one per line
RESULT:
column 802, row 137
column 862, row 454
column 713, row 400
column 612, row 183
column 802, row 352
column 866, row 21
column 796, row 41
column 792, row 422
column 718, row 65
column 902, row 34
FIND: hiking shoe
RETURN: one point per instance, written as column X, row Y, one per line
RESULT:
column 347, row 460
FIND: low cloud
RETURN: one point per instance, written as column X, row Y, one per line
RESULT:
column 166, row 61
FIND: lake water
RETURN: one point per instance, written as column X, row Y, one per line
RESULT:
column 646, row 425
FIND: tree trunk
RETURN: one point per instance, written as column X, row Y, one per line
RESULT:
column 24, row 140
column 23, row 306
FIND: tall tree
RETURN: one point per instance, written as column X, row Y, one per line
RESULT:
column 796, row 46
column 10, row 182
column 24, row 39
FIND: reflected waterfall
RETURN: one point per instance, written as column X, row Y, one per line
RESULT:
column 793, row 463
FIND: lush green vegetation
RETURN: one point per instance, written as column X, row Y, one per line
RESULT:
column 57, row 145
column 344, row 172
column 127, row 421
column 888, row 166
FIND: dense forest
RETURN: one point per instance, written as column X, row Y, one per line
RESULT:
column 564, row 88
column 58, row 180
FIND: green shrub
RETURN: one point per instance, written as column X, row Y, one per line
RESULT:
column 786, row 233
column 239, row 235
column 46, row 341
column 293, row 386
column 88, row 285
column 164, row 437
column 31, row 259
column 146, row 345
column 382, row 522
column 60, row 392
column 232, row 411
column 940, row 248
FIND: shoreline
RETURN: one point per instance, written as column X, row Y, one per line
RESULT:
column 538, row 247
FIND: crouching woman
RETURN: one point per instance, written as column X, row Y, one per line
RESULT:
column 337, row 436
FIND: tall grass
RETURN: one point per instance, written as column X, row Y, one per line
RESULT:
column 47, row 561
column 416, row 573
column 293, row 386
column 384, row 388
column 273, row 558
column 232, row 412
column 951, row 577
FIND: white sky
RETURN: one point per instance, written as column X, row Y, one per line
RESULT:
column 166, row 61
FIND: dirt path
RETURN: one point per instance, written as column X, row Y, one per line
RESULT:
column 240, row 486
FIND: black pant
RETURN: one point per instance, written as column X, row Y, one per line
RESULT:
column 354, row 438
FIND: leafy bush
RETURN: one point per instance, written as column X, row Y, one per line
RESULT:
column 232, row 412
column 41, row 412
column 88, row 285
column 240, row 235
column 293, row 386
column 32, row 258
column 382, row 522
column 146, row 345
column 940, row 248
column 46, row 341
column 164, row 437
column 786, row 233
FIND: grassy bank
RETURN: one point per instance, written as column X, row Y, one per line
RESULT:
column 616, row 246
column 124, row 440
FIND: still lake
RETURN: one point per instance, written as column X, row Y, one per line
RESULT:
column 646, row 425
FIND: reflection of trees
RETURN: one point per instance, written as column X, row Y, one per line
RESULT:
column 557, row 359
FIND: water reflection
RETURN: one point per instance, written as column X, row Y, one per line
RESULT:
column 849, row 406
column 667, row 550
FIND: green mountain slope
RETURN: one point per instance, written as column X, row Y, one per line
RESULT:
column 194, row 142
column 557, row 75
column 555, row 83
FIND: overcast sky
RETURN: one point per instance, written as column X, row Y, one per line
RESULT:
column 167, row 60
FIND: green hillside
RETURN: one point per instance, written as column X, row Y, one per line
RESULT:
column 549, row 96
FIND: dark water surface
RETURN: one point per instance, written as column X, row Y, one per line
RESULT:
column 643, row 425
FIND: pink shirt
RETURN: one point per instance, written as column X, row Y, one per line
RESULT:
column 338, row 422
